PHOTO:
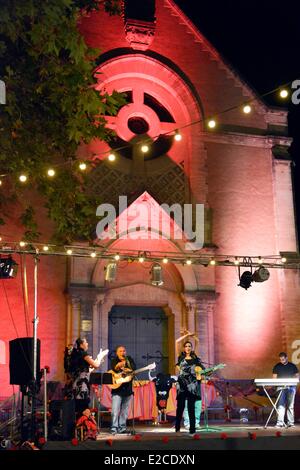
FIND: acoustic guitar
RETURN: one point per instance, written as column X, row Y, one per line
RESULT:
column 127, row 375
column 202, row 372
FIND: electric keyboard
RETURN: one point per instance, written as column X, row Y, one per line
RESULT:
column 283, row 382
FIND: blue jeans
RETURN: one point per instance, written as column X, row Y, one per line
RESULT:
column 119, row 412
column 198, row 409
column 286, row 402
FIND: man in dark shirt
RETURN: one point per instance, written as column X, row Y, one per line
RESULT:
column 285, row 369
column 121, row 396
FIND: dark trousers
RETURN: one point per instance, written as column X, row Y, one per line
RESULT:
column 191, row 410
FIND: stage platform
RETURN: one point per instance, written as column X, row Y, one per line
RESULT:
column 219, row 436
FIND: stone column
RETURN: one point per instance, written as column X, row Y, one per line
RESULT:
column 201, row 320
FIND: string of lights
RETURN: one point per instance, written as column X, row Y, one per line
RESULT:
column 282, row 261
column 211, row 123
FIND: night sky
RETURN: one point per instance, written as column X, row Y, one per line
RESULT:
column 261, row 40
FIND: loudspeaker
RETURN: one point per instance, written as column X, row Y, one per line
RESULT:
column 21, row 361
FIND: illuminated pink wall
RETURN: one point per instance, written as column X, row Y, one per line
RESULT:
column 232, row 173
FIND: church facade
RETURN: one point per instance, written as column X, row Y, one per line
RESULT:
column 240, row 172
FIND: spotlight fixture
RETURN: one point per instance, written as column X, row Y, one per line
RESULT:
column 283, row 259
column 117, row 257
column 8, row 268
column 46, row 248
column 188, row 262
column 22, row 244
column 156, row 275
column 0, row 182
column 93, row 254
column 212, row 124
column 165, row 260
column 23, row 178
column 236, row 261
column 141, row 259
column 111, row 272
column 69, row 252
column 212, row 262
column 261, row 274
column 246, row 280
column 260, row 261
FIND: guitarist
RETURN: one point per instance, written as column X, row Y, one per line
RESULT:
column 188, row 385
column 121, row 396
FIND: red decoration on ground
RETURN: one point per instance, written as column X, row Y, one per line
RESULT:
column 224, row 435
column 252, row 436
column 165, row 439
column 137, row 437
column 196, row 437
column 109, row 442
column 278, row 434
column 75, row 441
column 42, row 441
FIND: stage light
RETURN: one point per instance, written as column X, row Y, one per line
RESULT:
column 212, row 123
column 156, row 275
column 8, row 268
column 69, row 252
column 46, row 248
column 261, row 274
column 141, row 259
column 82, row 166
column 22, row 244
column 51, row 172
column 165, row 260
column 284, row 93
column 23, row 178
column 283, row 260
column 236, row 261
column 117, row 257
column 177, row 136
column 260, row 261
column 145, row 148
column 111, row 157
column 247, row 109
column 111, row 272
column 246, row 280
column 188, row 262
column 93, row 254
column 212, row 262
column 0, row 182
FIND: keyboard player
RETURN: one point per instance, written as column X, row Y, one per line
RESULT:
column 286, row 369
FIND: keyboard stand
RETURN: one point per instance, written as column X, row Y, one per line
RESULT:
column 274, row 404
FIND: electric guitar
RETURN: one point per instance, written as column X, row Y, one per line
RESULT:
column 127, row 375
column 200, row 372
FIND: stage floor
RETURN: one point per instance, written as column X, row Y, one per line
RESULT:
column 219, row 436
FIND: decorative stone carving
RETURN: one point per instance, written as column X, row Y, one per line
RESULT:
column 139, row 33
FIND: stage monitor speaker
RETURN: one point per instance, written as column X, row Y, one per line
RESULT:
column 21, row 361
column 62, row 421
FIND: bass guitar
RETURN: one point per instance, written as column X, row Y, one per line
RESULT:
column 127, row 375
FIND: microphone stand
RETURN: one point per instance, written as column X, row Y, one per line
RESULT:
column 132, row 432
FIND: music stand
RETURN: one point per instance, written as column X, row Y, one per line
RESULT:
column 205, row 415
column 100, row 378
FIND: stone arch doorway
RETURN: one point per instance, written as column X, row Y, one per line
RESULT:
column 143, row 330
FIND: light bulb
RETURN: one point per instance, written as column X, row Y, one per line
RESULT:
column 69, row 252
column 212, row 123
column 82, row 166
column 23, row 178
column 111, row 157
column 247, row 109
column 51, row 172
column 145, row 148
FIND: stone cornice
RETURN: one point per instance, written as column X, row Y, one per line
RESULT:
column 234, row 138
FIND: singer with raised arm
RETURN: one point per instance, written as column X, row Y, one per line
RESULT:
column 81, row 364
column 286, row 369
column 189, row 383
column 121, row 396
